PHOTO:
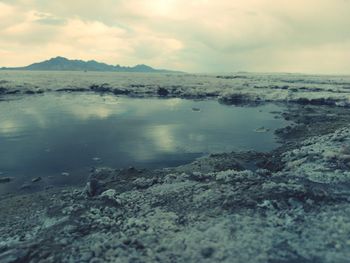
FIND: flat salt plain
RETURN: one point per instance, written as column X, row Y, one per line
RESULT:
column 292, row 207
column 236, row 87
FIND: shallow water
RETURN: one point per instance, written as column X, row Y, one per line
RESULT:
column 60, row 137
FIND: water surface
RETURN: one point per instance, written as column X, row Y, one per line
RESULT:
column 60, row 137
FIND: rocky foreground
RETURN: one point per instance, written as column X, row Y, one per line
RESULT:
column 291, row 205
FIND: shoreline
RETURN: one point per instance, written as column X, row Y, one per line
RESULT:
column 234, row 89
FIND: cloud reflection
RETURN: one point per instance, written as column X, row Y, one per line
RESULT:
column 9, row 126
column 163, row 137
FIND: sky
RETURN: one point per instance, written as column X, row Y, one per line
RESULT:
column 208, row 36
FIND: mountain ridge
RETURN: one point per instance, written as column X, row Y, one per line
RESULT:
column 64, row 64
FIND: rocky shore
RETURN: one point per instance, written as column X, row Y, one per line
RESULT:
column 238, row 88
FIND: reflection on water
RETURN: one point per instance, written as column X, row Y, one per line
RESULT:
column 53, row 134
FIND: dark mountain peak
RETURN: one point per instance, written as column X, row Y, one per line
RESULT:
column 142, row 66
column 58, row 58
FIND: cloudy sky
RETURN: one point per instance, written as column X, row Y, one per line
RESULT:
column 192, row 35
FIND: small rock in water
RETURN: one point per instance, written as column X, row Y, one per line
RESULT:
column 65, row 174
column 4, row 180
column 262, row 129
column 36, row 179
column 196, row 109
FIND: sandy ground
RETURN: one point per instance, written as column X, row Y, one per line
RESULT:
column 289, row 205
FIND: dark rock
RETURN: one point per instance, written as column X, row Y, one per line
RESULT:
column 319, row 101
column 3, row 90
column 143, row 183
column 138, row 244
column 4, row 180
column 236, row 99
column 231, row 77
column 101, row 88
column 120, row 92
column 13, row 91
column 137, row 86
column 211, row 94
column 207, row 252
column 131, row 169
column 93, row 187
column 72, row 90
column 36, row 179
column 162, row 92
column 322, row 101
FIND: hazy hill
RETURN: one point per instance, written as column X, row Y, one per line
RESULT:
column 64, row 64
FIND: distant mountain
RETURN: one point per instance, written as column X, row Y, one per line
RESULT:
column 64, row 64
